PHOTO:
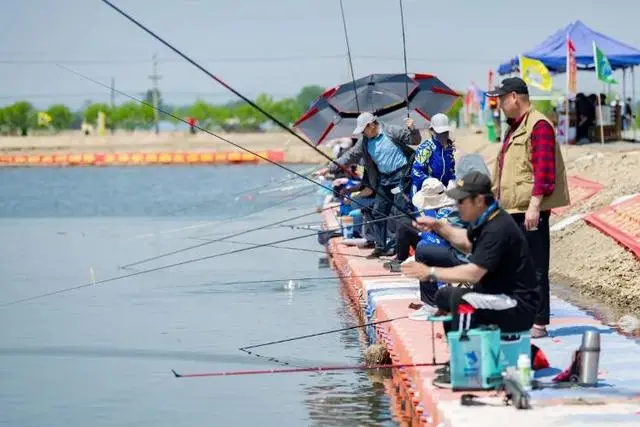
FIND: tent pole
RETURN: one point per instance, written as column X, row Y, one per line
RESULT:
column 601, row 122
column 633, row 100
column 624, row 98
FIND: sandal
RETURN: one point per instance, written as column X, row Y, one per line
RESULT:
column 538, row 332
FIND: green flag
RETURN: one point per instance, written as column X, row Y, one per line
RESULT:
column 604, row 72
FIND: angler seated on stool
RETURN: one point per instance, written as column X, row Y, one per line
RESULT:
column 500, row 266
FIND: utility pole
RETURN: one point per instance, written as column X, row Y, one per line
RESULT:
column 113, row 103
column 154, row 77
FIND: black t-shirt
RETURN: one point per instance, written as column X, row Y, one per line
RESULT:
column 500, row 247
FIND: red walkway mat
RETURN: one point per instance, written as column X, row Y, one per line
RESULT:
column 580, row 189
column 621, row 222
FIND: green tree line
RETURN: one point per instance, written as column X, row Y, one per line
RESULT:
column 22, row 117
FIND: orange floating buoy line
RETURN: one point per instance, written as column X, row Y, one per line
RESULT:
column 295, row 370
column 140, row 158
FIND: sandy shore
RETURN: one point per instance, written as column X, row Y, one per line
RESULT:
column 582, row 257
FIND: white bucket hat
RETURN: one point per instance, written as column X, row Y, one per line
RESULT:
column 440, row 123
column 432, row 195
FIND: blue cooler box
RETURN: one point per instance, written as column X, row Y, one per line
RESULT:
column 512, row 345
column 475, row 359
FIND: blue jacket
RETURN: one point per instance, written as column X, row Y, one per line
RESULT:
column 452, row 217
column 432, row 160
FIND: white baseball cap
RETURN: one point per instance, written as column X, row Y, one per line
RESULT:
column 440, row 123
column 363, row 120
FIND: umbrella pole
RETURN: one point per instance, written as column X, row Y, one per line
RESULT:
column 346, row 38
column 404, row 48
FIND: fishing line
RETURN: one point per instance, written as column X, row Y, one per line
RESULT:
column 244, row 98
column 346, row 38
column 404, row 48
column 266, row 159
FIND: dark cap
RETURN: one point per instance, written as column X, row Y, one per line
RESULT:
column 512, row 84
column 472, row 184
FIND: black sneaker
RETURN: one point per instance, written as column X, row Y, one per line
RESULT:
column 368, row 245
column 443, row 370
column 395, row 266
column 443, row 381
column 389, row 252
column 387, row 264
column 376, row 253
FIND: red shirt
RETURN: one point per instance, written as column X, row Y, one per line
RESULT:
column 543, row 155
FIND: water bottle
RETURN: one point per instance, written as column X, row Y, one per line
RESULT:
column 524, row 371
column 347, row 227
column 589, row 359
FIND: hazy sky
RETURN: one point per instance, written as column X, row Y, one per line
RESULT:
column 275, row 46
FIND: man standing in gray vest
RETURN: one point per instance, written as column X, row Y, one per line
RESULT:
column 529, row 180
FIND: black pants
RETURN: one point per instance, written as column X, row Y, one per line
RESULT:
column 406, row 236
column 435, row 256
column 540, row 248
column 514, row 319
column 384, row 205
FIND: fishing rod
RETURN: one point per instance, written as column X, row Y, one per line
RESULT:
column 220, row 239
column 317, row 334
column 310, row 369
column 346, row 38
column 302, row 226
column 404, row 48
column 244, row 98
column 223, row 83
column 266, row 159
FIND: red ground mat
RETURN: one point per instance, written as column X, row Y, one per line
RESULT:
column 621, row 222
column 580, row 189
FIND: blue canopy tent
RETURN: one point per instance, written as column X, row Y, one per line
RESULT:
column 553, row 51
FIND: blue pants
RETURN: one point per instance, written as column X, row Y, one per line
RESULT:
column 384, row 206
column 364, row 206
column 435, row 256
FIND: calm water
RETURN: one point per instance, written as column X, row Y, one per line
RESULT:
column 102, row 356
